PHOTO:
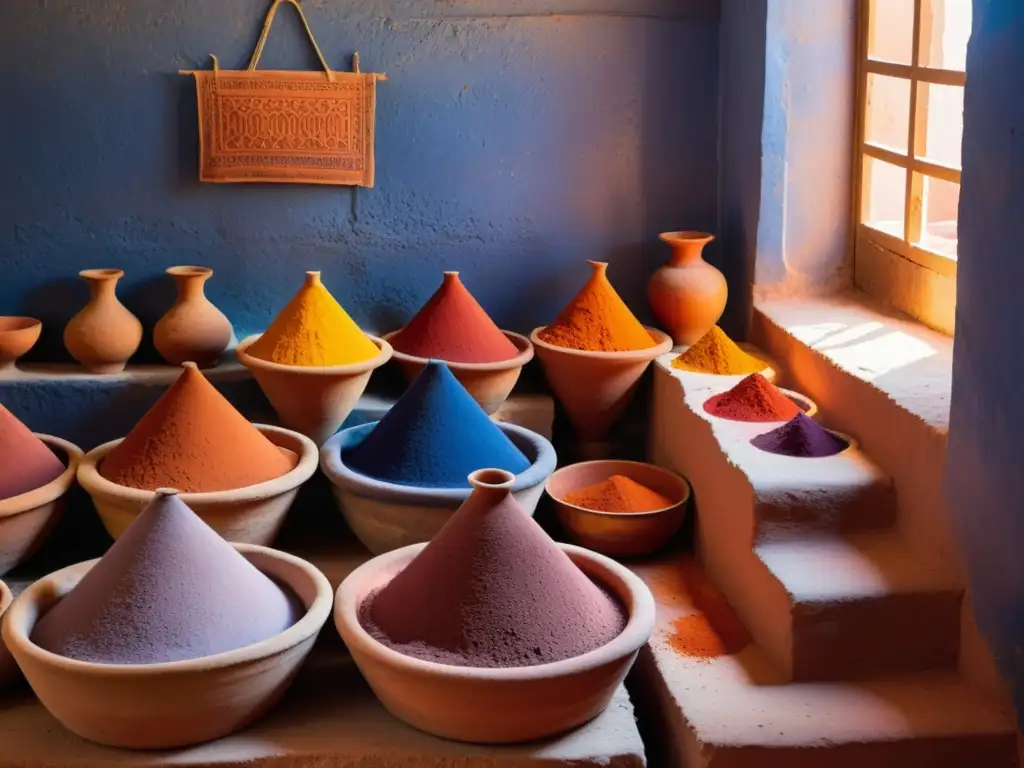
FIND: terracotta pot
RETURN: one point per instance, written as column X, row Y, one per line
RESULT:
column 193, row 329
column 17, row 336
column 310, row 400
column 8, row 666
column 174, row 704
column 26, row 519
column 595, row 387
column 103, row 335
column 687, row 295
column 489, row 384
column 251, row 515
column 487, row 705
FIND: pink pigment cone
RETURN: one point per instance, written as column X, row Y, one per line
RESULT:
column 26, row 463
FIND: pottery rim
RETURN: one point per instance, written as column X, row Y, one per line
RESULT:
column 93, row 482
column 687, row 492
column 54, row 489
column 188, row 271
column 18, row 324
column 663, row 344
column 686, row 236
column 630, row 590
column 101, row 274
column 315, row 370
column 851, row 444
column 523, row 345
column 6, row 598
column 803, row 402
column 316, row 614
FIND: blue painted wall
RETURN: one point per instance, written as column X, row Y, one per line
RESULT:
column 985, row 479
column 515, row 139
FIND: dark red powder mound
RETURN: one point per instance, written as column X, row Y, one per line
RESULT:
column 492, row 590
column 801, row 437
column 753, row 399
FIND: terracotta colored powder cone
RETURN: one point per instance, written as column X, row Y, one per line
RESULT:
column 597, row 319
column 169, row 589
column 717, row 354
column 801, row 437
column 25, row 461
column 452, row 326
column 492, row 590
column 313, row 330
column 753, row 399
column 194, row 440
column 618, row 494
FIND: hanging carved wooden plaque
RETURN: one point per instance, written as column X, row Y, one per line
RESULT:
column 282, row 126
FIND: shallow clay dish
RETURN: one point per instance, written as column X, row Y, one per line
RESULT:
column 175, row 704
column 495, row 706
column 8, row 666
column 386, row 516
column 313, row 400
column 17, row 336
column 26, row 519
column 488, row 383
column 251, row 515
column 803, row 402
column 615, row 533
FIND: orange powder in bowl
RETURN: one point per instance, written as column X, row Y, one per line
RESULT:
column 717, row 354
column 618, row 494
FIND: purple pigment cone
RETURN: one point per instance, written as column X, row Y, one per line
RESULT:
column 801, row 437
column 169, row 589
column 492, row 590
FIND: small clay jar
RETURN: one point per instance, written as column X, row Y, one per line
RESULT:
column 687, row 295
column 193, row 329
column 104, row 334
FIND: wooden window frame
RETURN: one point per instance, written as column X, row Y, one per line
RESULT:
column 916, row 168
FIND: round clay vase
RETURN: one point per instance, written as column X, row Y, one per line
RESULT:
column 193, row 329
column 104, row 334
column 687, row 294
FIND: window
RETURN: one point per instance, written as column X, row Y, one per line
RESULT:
column 910, row 125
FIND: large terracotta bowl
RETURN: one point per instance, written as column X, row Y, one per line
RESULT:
column 175, row 704
column 386, row 516
column 251, row 515
column 490, row 384
column 27, row 519
column 8, row 666
column 495, row 706
column 17, row 336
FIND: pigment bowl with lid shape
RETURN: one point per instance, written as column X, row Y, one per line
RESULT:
column 128, row 604
column 542, row 652
column 605, row 519
column 17, row 336
column 313, row 362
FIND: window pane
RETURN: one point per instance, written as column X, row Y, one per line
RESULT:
column 944, row 105
column 891, row 36
column 945, row 29
column 887, row 114
column 939, row 228
column 883, row 196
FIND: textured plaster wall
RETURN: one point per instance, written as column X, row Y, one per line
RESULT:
column 515, row 139
column 984, row 478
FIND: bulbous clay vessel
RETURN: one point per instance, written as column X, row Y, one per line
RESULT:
column 687, row 295
column 193, row 329
column 104, row 334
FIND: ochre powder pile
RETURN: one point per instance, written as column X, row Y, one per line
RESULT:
column 753, row 399
column 801, row 437
column 193, row 440
column 618, row 494
column 313, row 330
column 717, row 354
column 597, row 319
column 452, row 326
column 26, row 463
column 715, row 629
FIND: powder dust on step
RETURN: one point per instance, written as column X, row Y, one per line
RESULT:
column 598, row 320
column 717, row 354
column 169, row 589
column 194, row 440
column 713, row 629
column 620, row 494
column 313, row 330
column 753, row 399
column 452, row 326
column 801, row 437
column 492, row 590
column 26, row 462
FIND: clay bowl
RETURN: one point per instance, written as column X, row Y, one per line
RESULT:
column 594, row 387
column 311, row 400
column 251, row 515
column 17, row 336
column 26, row 519
column 495, row 706
column 175, row 704
column 620, row 534
column 8, row 666
column 386, row 516
column 489, row 383
column 803, row 402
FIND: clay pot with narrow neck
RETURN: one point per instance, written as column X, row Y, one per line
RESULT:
column 687, row 295
column 104, row 334
column 193, row 329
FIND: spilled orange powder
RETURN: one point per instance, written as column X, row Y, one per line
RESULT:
column 597, row 319
column 716, row 353
column 313, row 330
column 618, row 494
